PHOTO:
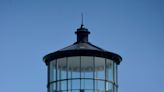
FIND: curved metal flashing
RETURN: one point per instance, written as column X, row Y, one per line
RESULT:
column 60, row 54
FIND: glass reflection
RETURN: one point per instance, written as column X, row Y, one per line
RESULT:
column 100, row 68
column 73, row 67
column 109, row 69
column 83, row 74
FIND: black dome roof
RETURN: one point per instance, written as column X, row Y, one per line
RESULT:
column 82, row 48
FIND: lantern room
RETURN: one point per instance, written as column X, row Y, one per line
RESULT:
column 82, row 67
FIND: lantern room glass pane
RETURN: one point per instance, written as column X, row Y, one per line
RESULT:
column 58, row 87
column 62, row 68
column 115, row 73
column 76, row 84
column 54, row 70
column 54, row 87
column 110, row 87
column 100, row 68
column 100, row 86
column 89, row 84
column 63, row 85
column 74, row 67
column 109, row 69
column 69, row 84
column 87, row 67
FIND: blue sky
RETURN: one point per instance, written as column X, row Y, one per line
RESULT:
column 30, row 29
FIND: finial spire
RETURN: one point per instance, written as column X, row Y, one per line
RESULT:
column 82, row 20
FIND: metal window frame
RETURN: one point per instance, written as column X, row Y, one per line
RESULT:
column 94, row 78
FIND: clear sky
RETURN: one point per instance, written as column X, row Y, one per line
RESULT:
column 30, row 29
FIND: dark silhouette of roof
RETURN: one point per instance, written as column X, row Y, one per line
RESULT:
column 82, row 47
